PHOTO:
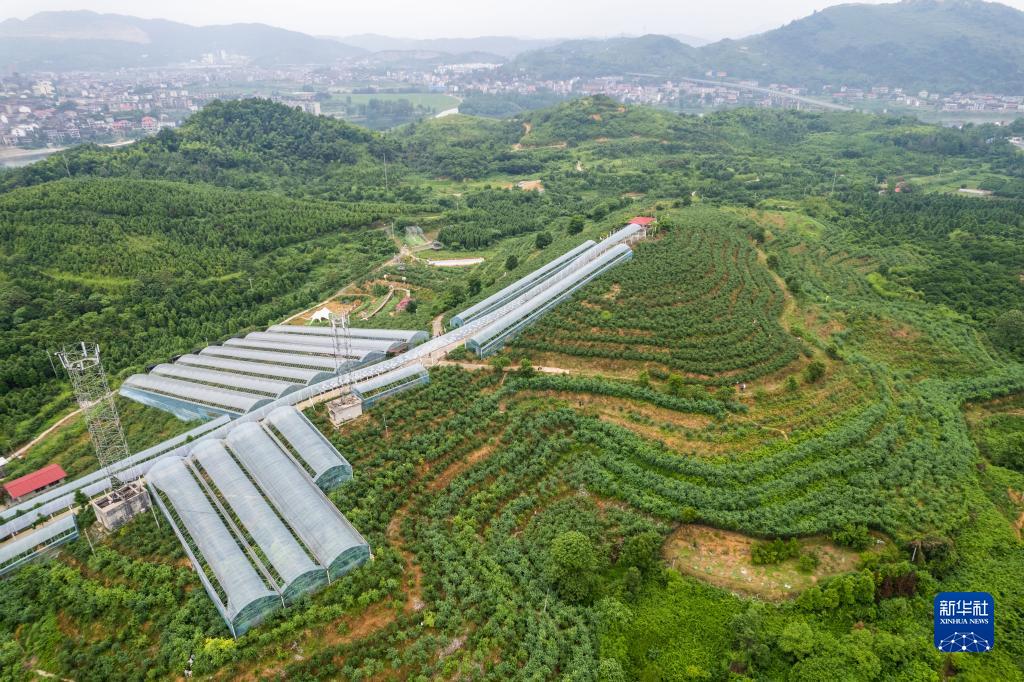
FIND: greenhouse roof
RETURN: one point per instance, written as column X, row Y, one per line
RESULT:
column 521, row 285
column 326, row 465
column 221, row 398
column 392, row 377
column 404, row 335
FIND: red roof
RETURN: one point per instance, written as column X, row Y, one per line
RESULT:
column 641, row 220
column 51, row 473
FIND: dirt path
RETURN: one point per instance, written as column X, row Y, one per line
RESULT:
column 380, row 307
column 348, row 288
column 511, row 368
column 20, row 452
column 455, row 262
column 437, row 325
column 412, row 577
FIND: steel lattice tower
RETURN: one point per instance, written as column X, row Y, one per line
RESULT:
column 89, row 382
column 342, row 341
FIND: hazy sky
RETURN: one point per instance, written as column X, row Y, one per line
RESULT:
column 463, row 18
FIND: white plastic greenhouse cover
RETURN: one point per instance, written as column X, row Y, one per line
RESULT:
column 297, row 360
column 308, row 443
column 299, row 351
column 25, row 544
column 317, row 521
column 227, row 379
column 519, row 286
column 323, row 349
column 562, row 286
column 389, row 378
column 406, row 335
column 231, row 567
column 357, row 344
column 223, row 398
column 282, row 372
column 262, row 523
column 622, row 235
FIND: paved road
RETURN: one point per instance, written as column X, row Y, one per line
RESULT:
column 776, row 93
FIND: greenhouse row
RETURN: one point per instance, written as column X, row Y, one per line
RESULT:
column 492, row 337
column 373, row 377
column 57, row 500
column 250, row 513
column 246, row 373
column 497, row 300
column 24, row 547
column 375, row 389
column 405, row 338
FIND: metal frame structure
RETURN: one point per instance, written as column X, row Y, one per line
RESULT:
column 24, row 548
column 89, row 382
column 520, row 286
column 252, row 518
column 373, row 390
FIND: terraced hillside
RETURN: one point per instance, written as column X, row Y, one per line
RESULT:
column 697, row 302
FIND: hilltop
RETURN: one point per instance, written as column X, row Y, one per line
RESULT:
column 247, row 144
column 934, row 44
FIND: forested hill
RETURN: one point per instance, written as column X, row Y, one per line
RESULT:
column 943, row 45
column 88, row 40
column 248, row 144
column 183, row 238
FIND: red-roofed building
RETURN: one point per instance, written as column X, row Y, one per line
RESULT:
column 643, row 220
column 30, row 484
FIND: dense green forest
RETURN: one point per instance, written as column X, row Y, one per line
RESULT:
column 799, row 358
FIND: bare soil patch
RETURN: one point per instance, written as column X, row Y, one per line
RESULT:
column 530, row 185
column 722, row 558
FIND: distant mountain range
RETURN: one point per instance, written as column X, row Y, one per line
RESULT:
column 935, row 44
column 87, row 40
column 942, row 45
